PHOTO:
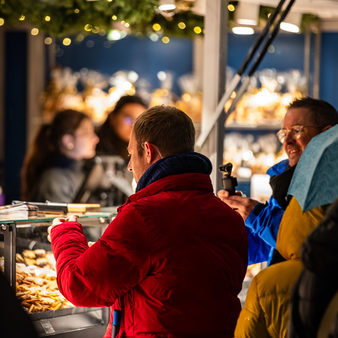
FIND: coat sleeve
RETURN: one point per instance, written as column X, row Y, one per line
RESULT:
column 258, row 250
column 265, row 223
column 251, row 320
column 98, row 275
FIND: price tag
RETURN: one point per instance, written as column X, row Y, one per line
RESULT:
column 47, row 326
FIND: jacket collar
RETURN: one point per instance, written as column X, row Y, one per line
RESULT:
column 181, row 182
column 278, row 168
column 180, row 163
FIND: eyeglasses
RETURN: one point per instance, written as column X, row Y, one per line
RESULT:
column 296, row 131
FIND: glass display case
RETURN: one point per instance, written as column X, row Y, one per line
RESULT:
column 28, row 263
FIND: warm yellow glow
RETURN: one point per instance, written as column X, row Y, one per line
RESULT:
column 95, row 29
column 2, row 21
column 48, row 40
column 66, row 41
column 231, row 8
column 181, row 25
column 47, row 18
column 233, row 95
column 186, row 97
column 263, row 98
column 126, row 25
column 114, row 17
column 165, row 39
column 22, row 18
column 88, row 27
column 76, row 11
column 109, row 0
column 34, row 31
column 197, row 29
column 156, row 27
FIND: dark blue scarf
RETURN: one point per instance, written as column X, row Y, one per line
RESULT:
column 173, row 165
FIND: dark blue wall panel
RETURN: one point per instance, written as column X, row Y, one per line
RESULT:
column 131, row 53
column 329, row 68
column 285, row 53
column 15, row 111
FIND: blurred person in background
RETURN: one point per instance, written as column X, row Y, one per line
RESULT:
column 174, row 258
column 113, row 183
column 304, row 119
column 53, row 167
column 114, row 133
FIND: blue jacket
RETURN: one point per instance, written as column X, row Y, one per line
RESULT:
column 262, row 224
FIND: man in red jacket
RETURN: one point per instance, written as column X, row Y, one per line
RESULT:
column 174, row 258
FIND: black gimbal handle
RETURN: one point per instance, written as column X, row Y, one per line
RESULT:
column 229, row 182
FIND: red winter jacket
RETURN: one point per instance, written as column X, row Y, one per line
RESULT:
column 174, row 259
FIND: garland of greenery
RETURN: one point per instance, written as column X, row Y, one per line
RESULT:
column 70, row 17
column 60, row 18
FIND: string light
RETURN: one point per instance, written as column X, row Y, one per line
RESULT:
column 95, row 29
column 197, row 29
column 76, row 11
column 47, row 18
column 22, row 18
column 48, row 40
column 115, row 34
column 2, row 21
column 165, row 39
column 156, row 27
column 87, row 27
column 34, row 31
column 114, row 17
column 181, row 25
column 154, row 37
column 66, row 41
column 231, row 8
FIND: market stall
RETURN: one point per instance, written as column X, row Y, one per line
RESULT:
column 248, row 135
column 28, row 263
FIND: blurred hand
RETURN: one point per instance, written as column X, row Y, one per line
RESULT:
column 243, row 205
column 57, row 221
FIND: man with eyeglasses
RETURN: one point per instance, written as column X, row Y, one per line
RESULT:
column 304, row 119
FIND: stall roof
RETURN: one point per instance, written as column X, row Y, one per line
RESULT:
column 326, row 10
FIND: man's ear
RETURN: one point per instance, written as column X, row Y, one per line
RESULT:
column 152, row 153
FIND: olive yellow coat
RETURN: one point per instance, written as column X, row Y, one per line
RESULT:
column 265, row 313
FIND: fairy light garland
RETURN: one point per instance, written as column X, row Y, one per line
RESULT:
column 59, row 19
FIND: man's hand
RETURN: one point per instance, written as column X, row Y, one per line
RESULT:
column 57, row 221
column 243, row 205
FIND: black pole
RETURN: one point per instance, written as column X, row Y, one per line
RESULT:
column 258, row 60
column 260, row 38
column 270, row 39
